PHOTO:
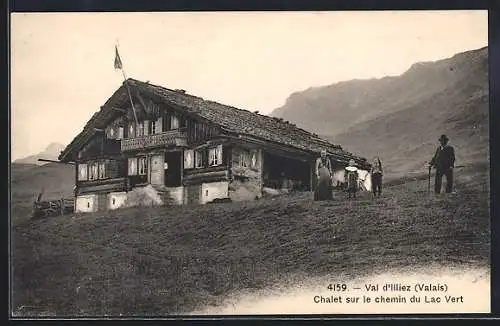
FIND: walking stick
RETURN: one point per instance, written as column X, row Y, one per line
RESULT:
column 429, row 181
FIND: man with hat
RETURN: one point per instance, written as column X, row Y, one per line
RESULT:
column 444, row 162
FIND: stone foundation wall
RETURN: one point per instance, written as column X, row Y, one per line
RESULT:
column 246, row 183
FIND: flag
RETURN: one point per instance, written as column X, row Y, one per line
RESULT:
column 118, row 61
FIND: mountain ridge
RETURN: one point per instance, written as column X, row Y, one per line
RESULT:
column 402, row 123
column 357, row 100
column 51, row 152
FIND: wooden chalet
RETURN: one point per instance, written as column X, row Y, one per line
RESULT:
column 189, row 149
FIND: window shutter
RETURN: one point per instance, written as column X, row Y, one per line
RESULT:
column 132, row 166
column 159, row 127
column 139, row 130
column 82, row 172
column 219, row 154
column 120, row 133
column 93, row 171
column 188, row 159
column 145, row 123
column 131, row 130
column 174, row 122
column 110, row 132
column 102, row 169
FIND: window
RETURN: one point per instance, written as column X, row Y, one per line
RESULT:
column 155, row 126
column 198, row 159
column 138, row 166
column 82, row 172
column 102, row 170
column 92, row 171
column 215, row 156
column 244, row 158
column 145, row 125
column 174, row 122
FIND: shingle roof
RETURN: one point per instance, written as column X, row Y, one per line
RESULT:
column 229, row 118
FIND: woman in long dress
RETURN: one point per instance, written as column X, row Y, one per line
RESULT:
column 324, row 177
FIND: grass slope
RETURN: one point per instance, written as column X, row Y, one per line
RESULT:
column 27, row 180
column 171, row 260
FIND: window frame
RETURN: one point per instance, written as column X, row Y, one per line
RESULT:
column 189, row 152
column 140, row 132
column 198, row 155
column 245, row 160
column 136, row 168
column 174, row 117
column 143, row 167
column 83, row 167
column 101, row 169
column 93, row 173
column 216, row 158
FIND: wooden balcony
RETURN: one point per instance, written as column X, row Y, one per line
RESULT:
column 164, row 139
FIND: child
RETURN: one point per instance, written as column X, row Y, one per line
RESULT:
column 351, row 176
column 376, row 175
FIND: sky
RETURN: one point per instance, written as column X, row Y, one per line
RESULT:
column 62, row 63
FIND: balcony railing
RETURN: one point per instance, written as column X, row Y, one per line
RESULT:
column 167, row 138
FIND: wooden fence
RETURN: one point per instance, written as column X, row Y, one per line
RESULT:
column 43, row 209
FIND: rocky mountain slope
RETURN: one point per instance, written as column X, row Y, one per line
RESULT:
column 400, row 118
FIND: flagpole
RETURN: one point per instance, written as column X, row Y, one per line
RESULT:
column 127, row 86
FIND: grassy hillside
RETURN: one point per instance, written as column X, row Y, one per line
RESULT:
column 170, row 260
column 27, row 180
column 335, row 109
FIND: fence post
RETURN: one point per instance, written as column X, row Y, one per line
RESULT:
column 62, row 206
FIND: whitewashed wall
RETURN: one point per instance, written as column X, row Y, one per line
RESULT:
column 213, row 190
column 86, row 204
column 116, row 199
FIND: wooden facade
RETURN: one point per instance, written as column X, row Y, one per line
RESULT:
column 177, row 152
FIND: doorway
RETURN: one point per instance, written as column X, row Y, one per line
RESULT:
column 173, row 169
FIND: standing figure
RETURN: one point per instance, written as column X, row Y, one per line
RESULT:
column 324, row 178
column 376, row 173
column 351, row 176
column 444, row 162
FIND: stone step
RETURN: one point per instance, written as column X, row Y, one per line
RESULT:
column 164, row 195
